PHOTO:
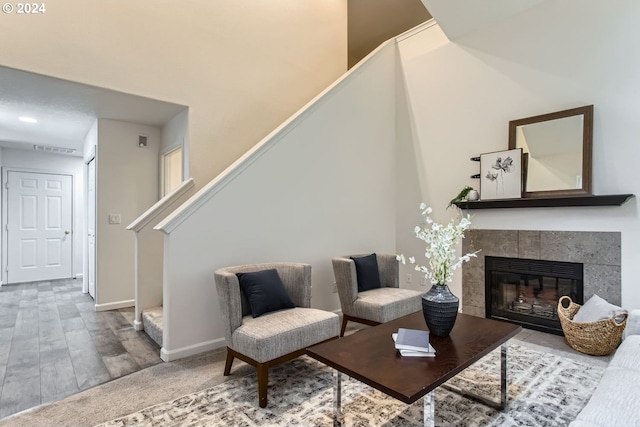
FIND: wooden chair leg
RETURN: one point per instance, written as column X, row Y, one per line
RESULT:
column 229, row 362
column 263, row 382
column 344, row 325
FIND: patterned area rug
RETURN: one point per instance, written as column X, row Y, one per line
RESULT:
column 545, row 390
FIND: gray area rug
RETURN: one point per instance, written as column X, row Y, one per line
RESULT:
column 545, row 390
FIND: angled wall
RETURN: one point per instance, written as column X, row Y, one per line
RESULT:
column 322, row 185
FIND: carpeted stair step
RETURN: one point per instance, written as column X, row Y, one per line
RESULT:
column 152, row 323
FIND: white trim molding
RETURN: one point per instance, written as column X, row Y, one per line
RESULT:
column 115, row 305
column 160, row 206
column 179, row 353
column 415, row 30
column 137, row 325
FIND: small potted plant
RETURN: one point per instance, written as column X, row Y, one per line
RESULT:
column 467, row 193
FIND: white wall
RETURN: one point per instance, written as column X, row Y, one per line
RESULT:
column 324, row 186
column 72, row 165
column 554, row 56
column 175, row 131
column 127, row 185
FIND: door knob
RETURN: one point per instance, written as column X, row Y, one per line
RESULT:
column 66, row 232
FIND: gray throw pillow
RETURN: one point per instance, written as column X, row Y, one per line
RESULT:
column 596, row 309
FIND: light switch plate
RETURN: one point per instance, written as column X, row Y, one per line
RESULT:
column 114, row 219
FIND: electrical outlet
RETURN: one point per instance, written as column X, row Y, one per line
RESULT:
column 335, row 288
column 409, row 278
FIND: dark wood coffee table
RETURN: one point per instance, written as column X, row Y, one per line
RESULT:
column 370, row 356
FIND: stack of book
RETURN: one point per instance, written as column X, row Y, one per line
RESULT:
column 413, row 343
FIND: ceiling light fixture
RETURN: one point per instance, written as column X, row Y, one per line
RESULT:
column 27, row 119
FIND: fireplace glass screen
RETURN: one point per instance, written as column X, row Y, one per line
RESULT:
column 527, row 291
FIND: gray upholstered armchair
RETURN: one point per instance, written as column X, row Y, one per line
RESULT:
column 376, row 305
column 276, row 336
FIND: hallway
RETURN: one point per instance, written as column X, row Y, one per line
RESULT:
column 54, row 344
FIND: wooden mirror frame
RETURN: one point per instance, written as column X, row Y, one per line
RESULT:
column 587, row 144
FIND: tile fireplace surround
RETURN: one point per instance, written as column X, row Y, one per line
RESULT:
column 598, row 251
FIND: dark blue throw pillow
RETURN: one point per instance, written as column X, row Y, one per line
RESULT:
column 264, row 291
column 367, row 272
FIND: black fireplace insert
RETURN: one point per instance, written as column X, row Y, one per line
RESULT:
column 526, row 291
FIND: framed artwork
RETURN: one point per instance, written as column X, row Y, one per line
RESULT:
column 501, row 175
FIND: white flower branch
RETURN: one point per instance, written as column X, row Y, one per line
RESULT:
column 441, row 247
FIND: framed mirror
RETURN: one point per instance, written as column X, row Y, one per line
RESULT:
column 556, row 152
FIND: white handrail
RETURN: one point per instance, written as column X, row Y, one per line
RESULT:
column 160, row 206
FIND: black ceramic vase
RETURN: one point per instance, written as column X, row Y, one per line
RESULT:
column 440, row 309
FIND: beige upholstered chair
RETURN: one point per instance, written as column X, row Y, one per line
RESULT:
column 276, row 336
column 378, row 305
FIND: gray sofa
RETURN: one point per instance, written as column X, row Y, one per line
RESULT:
column 615, row 400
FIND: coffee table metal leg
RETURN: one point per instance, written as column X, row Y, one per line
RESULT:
column 504, row 392
column 337, row 399
column 429, row 409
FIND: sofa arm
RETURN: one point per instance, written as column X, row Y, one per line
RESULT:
column 633, row 323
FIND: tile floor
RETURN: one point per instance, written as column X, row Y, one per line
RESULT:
column 53, row 344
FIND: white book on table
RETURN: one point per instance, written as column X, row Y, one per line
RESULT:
column 411, row 353
column 412, row 339
column 431, row 352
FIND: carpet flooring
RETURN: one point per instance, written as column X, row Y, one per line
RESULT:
column 545, row 390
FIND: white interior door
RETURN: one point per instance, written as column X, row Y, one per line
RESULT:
column 39, row 220
column 91, row 227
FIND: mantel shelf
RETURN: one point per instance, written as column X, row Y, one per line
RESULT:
column 548, row 202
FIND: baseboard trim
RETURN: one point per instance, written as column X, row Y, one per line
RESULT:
column 115, row 305
column 138, row 326
column 179, row 353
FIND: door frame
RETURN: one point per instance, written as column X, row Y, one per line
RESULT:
column 163, row 164
column 5, row 211
column 85, row 240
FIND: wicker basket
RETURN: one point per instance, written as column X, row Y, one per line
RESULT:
column 596, row 338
